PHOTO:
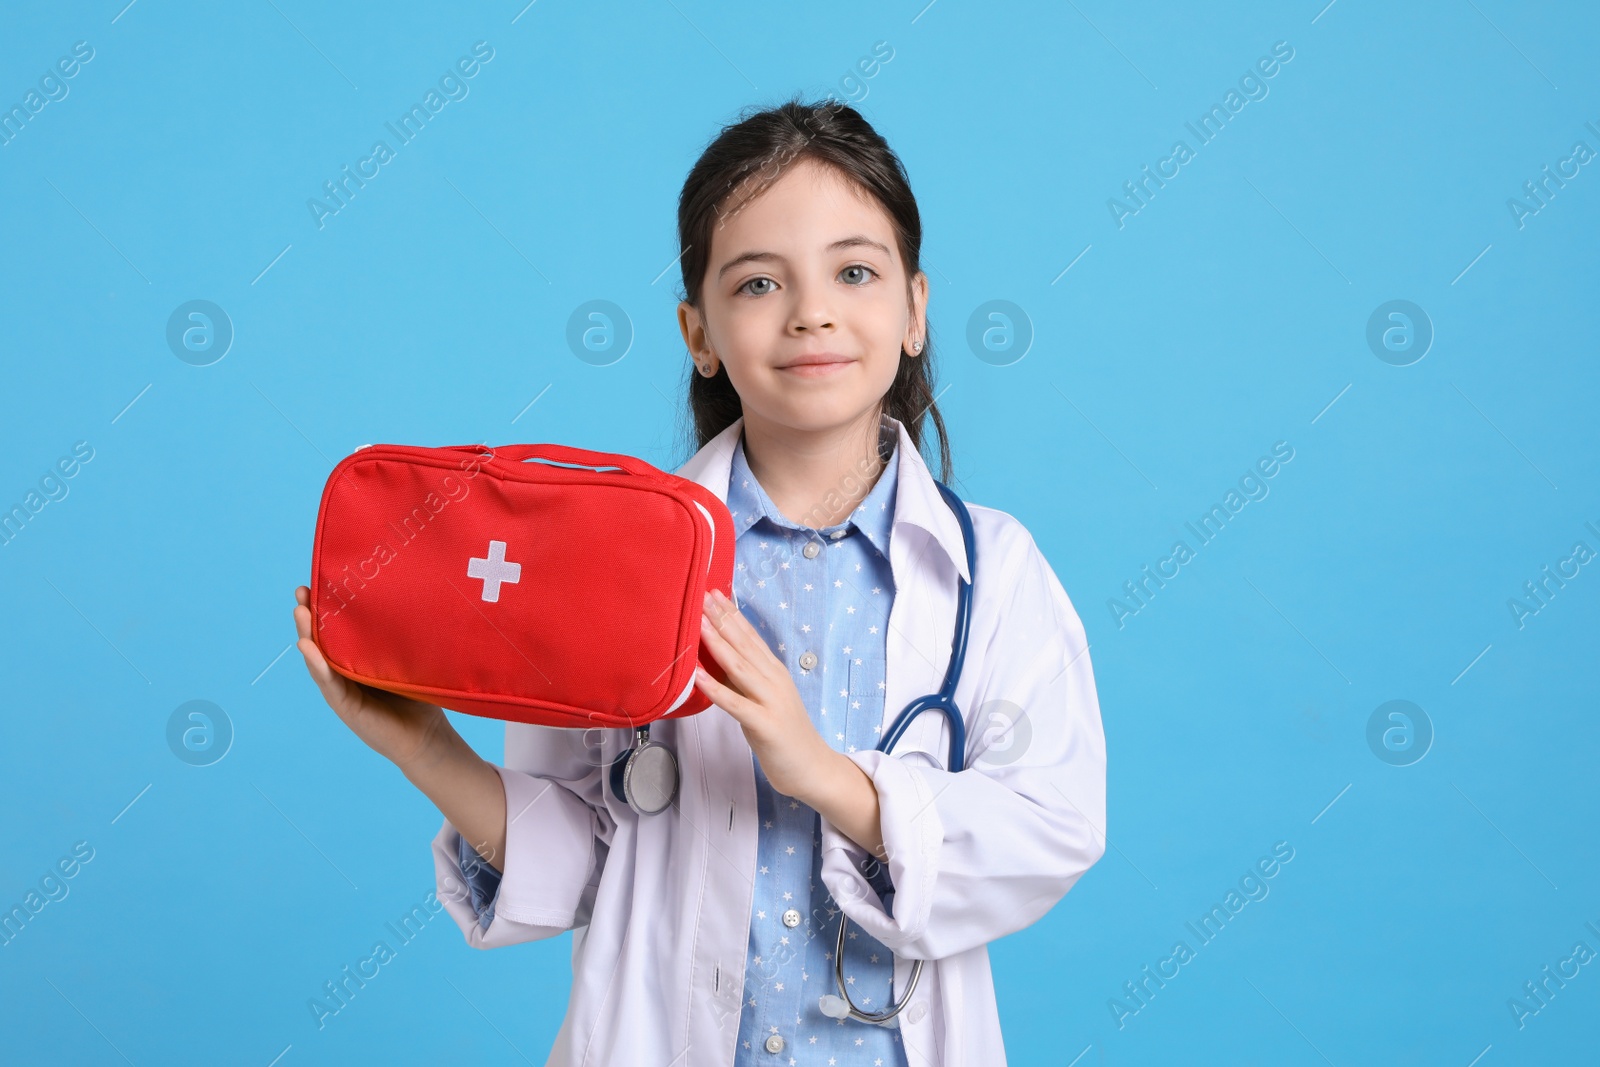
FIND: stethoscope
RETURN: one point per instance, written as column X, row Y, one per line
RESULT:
column 645, row 776
column 841, row 1006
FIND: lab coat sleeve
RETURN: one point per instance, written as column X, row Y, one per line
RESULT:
column 987, row 851
column 558, row 833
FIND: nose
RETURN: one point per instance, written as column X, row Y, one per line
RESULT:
column 813, row 310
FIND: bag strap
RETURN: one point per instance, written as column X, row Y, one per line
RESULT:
column 566, row 454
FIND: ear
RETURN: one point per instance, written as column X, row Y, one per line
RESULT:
column 692, row 326
column 917, row 321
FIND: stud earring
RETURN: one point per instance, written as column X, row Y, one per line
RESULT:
column 916, row 346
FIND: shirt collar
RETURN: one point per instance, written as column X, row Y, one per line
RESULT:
column 749, row 503
column 917, row 500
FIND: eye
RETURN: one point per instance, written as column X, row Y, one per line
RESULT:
column 860, row 267
column 753, row 281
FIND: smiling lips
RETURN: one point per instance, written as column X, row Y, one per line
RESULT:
column 817, row 366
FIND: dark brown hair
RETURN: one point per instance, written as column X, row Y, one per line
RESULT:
column 743, row 160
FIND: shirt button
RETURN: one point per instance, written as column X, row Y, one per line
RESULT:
column 775, row 1043
column 836, row 534
column 791, row 918
column 808, row 660
column 811, row 549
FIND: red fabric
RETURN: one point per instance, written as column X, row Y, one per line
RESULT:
column 601, row 626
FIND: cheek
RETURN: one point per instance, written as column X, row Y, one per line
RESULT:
column 744, row 331
column 889, row 371
column 890, row 338
column 738, row 350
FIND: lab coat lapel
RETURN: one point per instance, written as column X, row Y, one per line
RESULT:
column 928, row 557
column 726, row 786
column 721, row 735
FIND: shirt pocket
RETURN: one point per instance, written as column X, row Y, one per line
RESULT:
column 857, row 728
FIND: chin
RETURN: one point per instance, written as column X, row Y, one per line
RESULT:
column 807, row 410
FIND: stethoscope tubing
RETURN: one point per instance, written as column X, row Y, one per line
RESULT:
column 944, row 701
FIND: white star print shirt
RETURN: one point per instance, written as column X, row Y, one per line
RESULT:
column 821, row 599
column 666, row 911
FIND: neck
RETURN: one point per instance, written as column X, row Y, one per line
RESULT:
column 815, row 477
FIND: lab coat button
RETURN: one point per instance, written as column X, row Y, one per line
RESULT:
column 916, row 1012
column 775, row 1043
column 791, row 918
column 811, row 549
column 808, row 660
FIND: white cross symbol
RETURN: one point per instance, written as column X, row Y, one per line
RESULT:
column 494, row 570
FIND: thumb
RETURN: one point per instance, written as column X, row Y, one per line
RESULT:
column 316, row 666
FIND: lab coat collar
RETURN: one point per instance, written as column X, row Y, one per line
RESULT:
column 918, row 501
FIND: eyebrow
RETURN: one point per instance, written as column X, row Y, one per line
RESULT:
column 853, row 241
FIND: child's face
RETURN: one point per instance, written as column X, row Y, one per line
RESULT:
column 804, row 291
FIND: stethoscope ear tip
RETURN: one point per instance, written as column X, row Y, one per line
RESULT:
column 837, row 1008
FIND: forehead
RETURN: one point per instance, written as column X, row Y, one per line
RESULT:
column 808, row 207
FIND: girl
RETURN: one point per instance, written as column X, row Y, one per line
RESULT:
column 707, row 934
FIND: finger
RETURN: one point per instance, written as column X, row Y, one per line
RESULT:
column 734, row 703
column 731, row 654
column 754, row 685
column 751, row 663
column 727, row 657
column 316, row 663
column 737, row 630
column 302, row 595
column 321, row 673
column 720, row 610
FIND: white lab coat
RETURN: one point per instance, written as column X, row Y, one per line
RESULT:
column 660, row 905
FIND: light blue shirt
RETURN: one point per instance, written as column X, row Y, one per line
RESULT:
column 824, row 615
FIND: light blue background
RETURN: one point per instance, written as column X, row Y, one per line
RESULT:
column 1228, row 314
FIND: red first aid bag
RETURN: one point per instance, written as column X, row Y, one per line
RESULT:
column 534, row 583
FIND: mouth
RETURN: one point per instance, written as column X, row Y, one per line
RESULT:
column 817, row 366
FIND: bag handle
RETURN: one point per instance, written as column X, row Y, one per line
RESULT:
column 580, row 457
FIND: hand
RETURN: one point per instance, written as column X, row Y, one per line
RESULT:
column 395, row 727
column 763, row 699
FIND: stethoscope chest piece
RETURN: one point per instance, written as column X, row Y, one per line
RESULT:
column 646, row 775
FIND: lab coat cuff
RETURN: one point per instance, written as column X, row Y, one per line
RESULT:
column 549, row 833
column 913, row 834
